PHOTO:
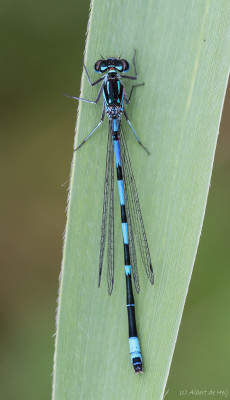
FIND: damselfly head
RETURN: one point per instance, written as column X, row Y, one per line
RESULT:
column 111, row 64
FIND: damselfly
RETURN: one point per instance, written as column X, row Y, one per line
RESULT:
column 131, row 216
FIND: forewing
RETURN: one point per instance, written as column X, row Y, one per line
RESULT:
column 106, row 204
column 135, row 210
column 110, row 271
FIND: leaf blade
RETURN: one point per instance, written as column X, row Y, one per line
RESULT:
column 177, row 114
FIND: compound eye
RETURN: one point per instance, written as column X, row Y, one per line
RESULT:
column 100, row 66
column 125, row 65
column 119, row 66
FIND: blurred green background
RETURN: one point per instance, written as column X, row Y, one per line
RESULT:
column 42, row 53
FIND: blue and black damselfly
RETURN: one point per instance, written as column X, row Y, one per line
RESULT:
column 131, row 216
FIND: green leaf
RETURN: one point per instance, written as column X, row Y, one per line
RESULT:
column 183, row 56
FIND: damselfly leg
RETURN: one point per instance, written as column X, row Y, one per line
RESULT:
column 127, row 100
column 127, row 119
column 90, row 134
column 88, row 101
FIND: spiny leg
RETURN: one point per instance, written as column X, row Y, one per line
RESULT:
column 88, row 101
column 87, row 137
column 92, row 83
column 135, row 69
column 127, row 119
column 127, row 100
column 134, row 62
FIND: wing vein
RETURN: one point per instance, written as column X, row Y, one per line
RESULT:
column 135, row 210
